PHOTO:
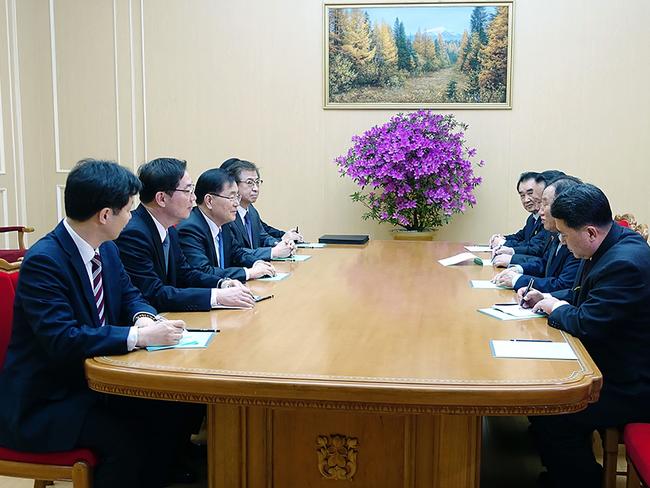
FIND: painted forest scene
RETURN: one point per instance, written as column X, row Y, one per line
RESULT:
column 442, row 54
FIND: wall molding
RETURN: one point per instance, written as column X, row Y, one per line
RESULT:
column 144, row 84
column 60, row 203
column 15, row 110
column 132, row 62
column 3, row 165
column 5, row 213
column 117, row 88
column 55, row 93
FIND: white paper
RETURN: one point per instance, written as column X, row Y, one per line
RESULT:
column 486, row 262
column 458, row 258
column 486, row 284
column 277, row 277
column 517, row 311
column 532, row 350
column 296, row 257
column 492, row 312
column 478, row 248
column 311, row 245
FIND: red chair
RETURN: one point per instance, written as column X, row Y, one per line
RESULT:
column 637, row 446
column 75, row 465
column 10, row 259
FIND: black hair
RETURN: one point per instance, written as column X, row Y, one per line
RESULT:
column 162, row 174
column 212, row 181
column 581, row 205
column 94, row 184
column 525, row 176
column 549, row 175
column 235, row 166
column 563, row 182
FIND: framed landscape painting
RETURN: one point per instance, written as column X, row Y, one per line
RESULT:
column 446, row 55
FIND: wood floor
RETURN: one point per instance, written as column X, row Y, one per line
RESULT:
column 509, row 459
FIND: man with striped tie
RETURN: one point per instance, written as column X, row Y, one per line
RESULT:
column 207, row 243
column 74, row 300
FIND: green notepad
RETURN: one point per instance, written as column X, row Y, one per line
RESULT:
column 190, row 340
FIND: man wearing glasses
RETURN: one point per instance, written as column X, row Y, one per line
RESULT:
column 206, row 243
column 248, row 226
column 150, row 249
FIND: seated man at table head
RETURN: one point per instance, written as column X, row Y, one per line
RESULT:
column 208, row 244
column 607, row 309
column 248, row 227
column 75, row 301
column 556, row 269
column 151, row 252
column 532, row 239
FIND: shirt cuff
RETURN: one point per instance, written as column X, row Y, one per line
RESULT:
column 517, row 269
column 213, row 298
column 132, row 338
column 248, row 273
column 515, row 277
column 559, row 304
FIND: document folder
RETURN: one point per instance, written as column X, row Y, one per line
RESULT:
column 343, row 239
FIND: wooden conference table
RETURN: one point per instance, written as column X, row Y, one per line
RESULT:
column 371, row 364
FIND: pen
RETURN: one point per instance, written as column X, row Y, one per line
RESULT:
column 297, row 230
column 530, row 285
column 506, row 303
column 530, row 340
column 203, row 330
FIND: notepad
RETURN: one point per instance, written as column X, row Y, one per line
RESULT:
column 532, row 350
column 517, row 311
column 296, row 258
column 256, row 298
column 277, row 277
column 497, row 314
column 486, row 284
column 311, row 245
column 458, row 258
column 190, row 340
column 478, row 248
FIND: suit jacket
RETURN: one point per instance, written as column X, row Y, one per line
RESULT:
column 201, row 253
column 609, row 312
column 45, row 395
column 531, row 240
column 272, row 231
column 181, row 288
column 554, row 271
column 262, row 241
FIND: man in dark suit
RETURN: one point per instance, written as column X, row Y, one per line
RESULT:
column 607, row 309
column 74, row 301
column 207, row 243
column 532, row 239
column 151, row 252
column 556, row 269
column 248, row 226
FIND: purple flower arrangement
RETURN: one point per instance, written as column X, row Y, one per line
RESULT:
column 414, row 171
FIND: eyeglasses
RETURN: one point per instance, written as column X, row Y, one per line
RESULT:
column 251, row 182
column 233, row 198
column 189, row 189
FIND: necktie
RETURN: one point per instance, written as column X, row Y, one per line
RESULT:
column 98, row 287
column 249, row 230
column 165, row 246
column 219, row 246
column 552, row 251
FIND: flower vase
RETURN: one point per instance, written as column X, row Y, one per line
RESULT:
column 413, row 235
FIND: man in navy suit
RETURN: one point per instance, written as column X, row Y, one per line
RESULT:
column 248, row 226
column 607, row 309
column 207, row 243
column 556, row 269
column 532, row 239
column 151, row 252
column 74, row 301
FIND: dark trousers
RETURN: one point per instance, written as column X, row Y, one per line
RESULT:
column 137, row 441
column 564, row 441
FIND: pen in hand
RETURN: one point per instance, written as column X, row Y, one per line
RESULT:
column 528, row 288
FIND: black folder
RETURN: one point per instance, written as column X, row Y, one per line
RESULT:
column 343, row 239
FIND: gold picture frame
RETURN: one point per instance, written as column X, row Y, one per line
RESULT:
column 373, row 59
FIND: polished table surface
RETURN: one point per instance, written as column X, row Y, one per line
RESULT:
column 380, row 327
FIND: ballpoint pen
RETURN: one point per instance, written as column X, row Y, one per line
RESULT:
column 523, row 296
